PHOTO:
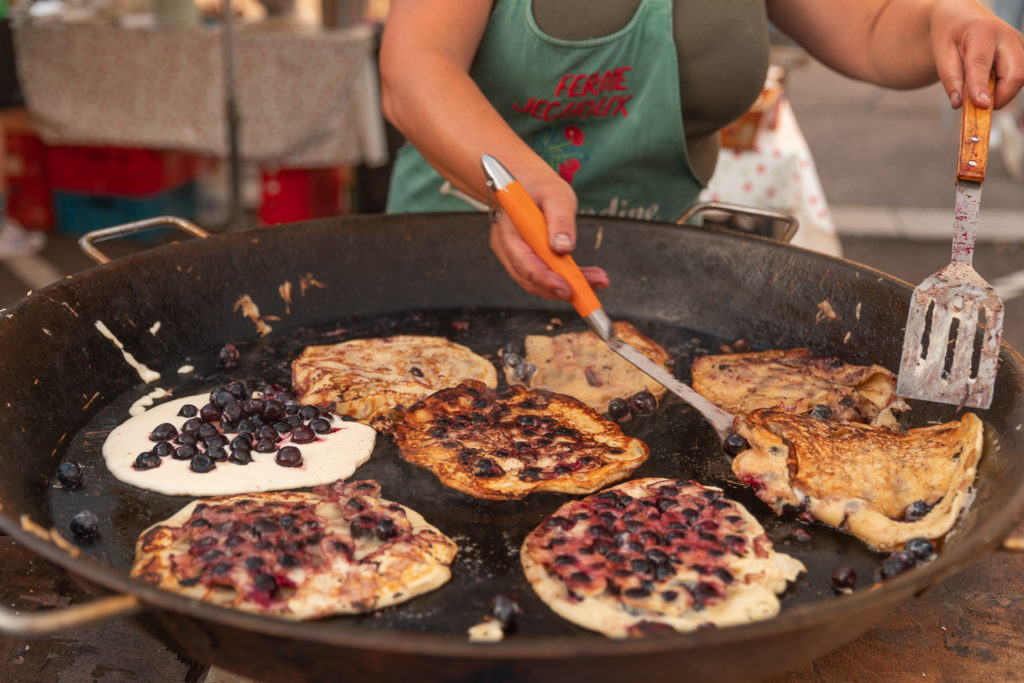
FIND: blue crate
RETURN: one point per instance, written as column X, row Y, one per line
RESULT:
column 78, row 213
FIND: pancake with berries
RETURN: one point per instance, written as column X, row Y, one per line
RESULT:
column 362, row 378
column 580, row 364
column 656, row 556
column 797, row 381
column 502, row 445
column 880, row 486
column 339, row 549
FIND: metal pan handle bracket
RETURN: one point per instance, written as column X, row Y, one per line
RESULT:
column 85, row 242
column 67, row 619
column 789, row 222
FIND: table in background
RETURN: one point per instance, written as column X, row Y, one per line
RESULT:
column 306, row 99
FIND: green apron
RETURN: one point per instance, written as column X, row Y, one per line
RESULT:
column 604, row 112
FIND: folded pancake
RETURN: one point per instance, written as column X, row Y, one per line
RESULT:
column 881, row 486
column 797, row 381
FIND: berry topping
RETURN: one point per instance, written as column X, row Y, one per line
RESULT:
column 69, row 474
column 303, row 434
column 202, row 463
column 188, row 410
column 228, row 356
column 844, row 579
column 289, row 456
column 734, row 444
column 617, row 409
column 85, row 525
column 163, row 432
column 643, row 403
column 146, row 460
column 320, row 425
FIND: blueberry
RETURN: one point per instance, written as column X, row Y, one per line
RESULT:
column 643, row 403
column 293, row 420
column 186, row 439
column 201, row 463
column 241, row 443
column 240, row 456
column 265, row 445
column 209, row 413
column 232, row 411
column 844, row 579
column 916, row 510
column 85, row 525
column 821, row 412
column 146, row 460
column 289, row 456
column 188, row 410
column 268, row 432
column 186, row 452
column 303, row 434
column 273, row 410
column 292, row 407
column 69, row 474
column 921, row 548
column 163, row 448
column 894, row 565
column 308, row 412
column 191, row 425
column 617, row 409
column 505, row 609
column 221, row 397
column 283, row 427
column 320, row 425
column 238, row 390
column 206, row 430
column 215, row 440
column 734, row 444
column 253, row 406
column 246, row 427
column 163, row 432
column 217, row 453
column 228, row 356
column 384, row 529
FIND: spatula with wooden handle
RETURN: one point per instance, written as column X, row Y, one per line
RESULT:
column 529, row 221
column 951, row 343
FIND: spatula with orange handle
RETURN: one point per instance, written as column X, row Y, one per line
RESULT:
column 529, row 221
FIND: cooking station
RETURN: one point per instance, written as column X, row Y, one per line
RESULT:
column 962, row 628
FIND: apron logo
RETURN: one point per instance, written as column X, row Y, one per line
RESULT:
column 587, row 96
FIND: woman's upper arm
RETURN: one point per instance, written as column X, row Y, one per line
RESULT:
column 449, row 27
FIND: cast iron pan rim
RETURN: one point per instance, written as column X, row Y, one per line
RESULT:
column 989, row 534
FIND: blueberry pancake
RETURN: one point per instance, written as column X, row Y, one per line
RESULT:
column 579, row 364
column 363, row 378
column 797, row 381
column 339, row 549
column 508, row 444
column 656, row 555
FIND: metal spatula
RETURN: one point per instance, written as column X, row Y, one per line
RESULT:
column 951, row 344
column 530, row 223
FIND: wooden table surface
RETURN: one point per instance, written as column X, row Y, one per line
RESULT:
column 969, row 628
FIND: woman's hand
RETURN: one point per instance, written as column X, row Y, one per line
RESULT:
column 558, row 203
column 968, row 42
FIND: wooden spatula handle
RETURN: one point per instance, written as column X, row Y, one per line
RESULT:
column 975, row 126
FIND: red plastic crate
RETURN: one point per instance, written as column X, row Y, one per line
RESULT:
column 30, row 202
column 25, row 157
column 294, row 194
column 121, row 171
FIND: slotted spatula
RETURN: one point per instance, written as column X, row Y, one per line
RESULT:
column 951, row 343
column 529, row 221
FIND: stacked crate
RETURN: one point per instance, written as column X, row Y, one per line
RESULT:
column 97, row 187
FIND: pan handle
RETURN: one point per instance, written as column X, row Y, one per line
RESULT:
column 789, row 221
column 85, row 242
column 77, row 616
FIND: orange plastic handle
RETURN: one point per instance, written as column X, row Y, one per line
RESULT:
column 975, row 127
column 529, row 221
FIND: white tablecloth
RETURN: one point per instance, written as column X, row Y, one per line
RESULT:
column 305, row 99
column 779, row 173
